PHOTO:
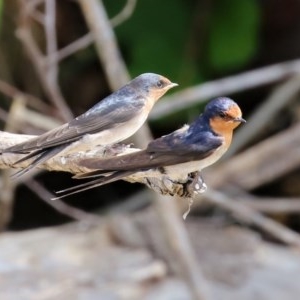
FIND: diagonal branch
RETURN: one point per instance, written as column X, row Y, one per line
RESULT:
column 249, row 216
column 71, row 163
column 106, row 43
column 125, row 13
column 60, row 206
column 51, row 39
column 265, row 113
column 45, row 72
column 261, row 163
column 225, row 86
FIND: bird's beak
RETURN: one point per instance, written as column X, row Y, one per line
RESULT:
column 172, row 84
column 241, row 120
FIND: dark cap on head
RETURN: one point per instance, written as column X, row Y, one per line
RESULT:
column 220, row 104
column 224, row 108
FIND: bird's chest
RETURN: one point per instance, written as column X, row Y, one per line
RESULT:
column 180, row 171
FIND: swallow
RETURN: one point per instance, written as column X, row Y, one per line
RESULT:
column 185, row 151
column 110, row 121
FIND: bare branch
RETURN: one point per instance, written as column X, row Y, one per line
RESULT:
column 125, row 14
column 3, row 115
column 225, row 86
column 179, row 243
column 51, row 39
column 58, row 205
column 88, row 38
column 105, row 42
column 12, row 92
column 45, row 72
column 117, row 76
column 69, row 162
column 260, row 164
column 249, row 216
column 265, row 113
column 274, row 205
column 77, row 45
column 31, row 117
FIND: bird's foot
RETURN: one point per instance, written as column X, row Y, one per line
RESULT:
column 192, row 185
column 195, row 184
column 171, row 187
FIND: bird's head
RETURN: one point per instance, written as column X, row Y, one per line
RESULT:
column 152, row 86
column 224, row 114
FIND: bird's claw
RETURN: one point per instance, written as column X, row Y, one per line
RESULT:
column 193, row 185
column 196, row 184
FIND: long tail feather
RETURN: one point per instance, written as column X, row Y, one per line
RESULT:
column 93, row 174
column 28, row 156
column 43, row 155
column 92, row 184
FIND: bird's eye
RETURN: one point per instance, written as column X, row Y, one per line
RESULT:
column 222, row 115
column 160, row 84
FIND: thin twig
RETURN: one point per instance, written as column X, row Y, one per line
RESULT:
column 48, row 82
column 259, row 164
column 249, row 216
column 3, row 115
column 225, row 86
column 106, row 43
column 124, row 14
column 274, row 205
column 87, row 39
column 177, row 238
column 117, row 75
column 60, row 206
column 77, row 45
column 51, row 39
column 31, row 5
column 265, row 204
column 38, row 16
column 265, row 113
column 32, row 101
column 7, row 185
column 110, row 55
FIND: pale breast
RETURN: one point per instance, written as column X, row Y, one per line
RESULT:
column 181, row 170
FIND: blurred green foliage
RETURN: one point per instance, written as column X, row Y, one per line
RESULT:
column 188, row 41
column 156, row 36
column 233, row 37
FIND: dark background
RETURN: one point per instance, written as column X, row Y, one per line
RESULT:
column 189, row 41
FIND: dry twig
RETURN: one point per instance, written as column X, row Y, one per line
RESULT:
column 117, row 75
column 272, row 205
column 58, row 205
column 249, row 216
column 225, row 86
column 260, row 164
column 47, row 72
column 124, row 14
column 105, row 42
column 12, row 92
column 265, row 113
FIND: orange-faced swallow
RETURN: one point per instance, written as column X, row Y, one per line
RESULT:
column 110, row 121
column 185, row 151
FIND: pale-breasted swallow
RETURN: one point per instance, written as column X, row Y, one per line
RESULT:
column 110, row 121
column 184, row 151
